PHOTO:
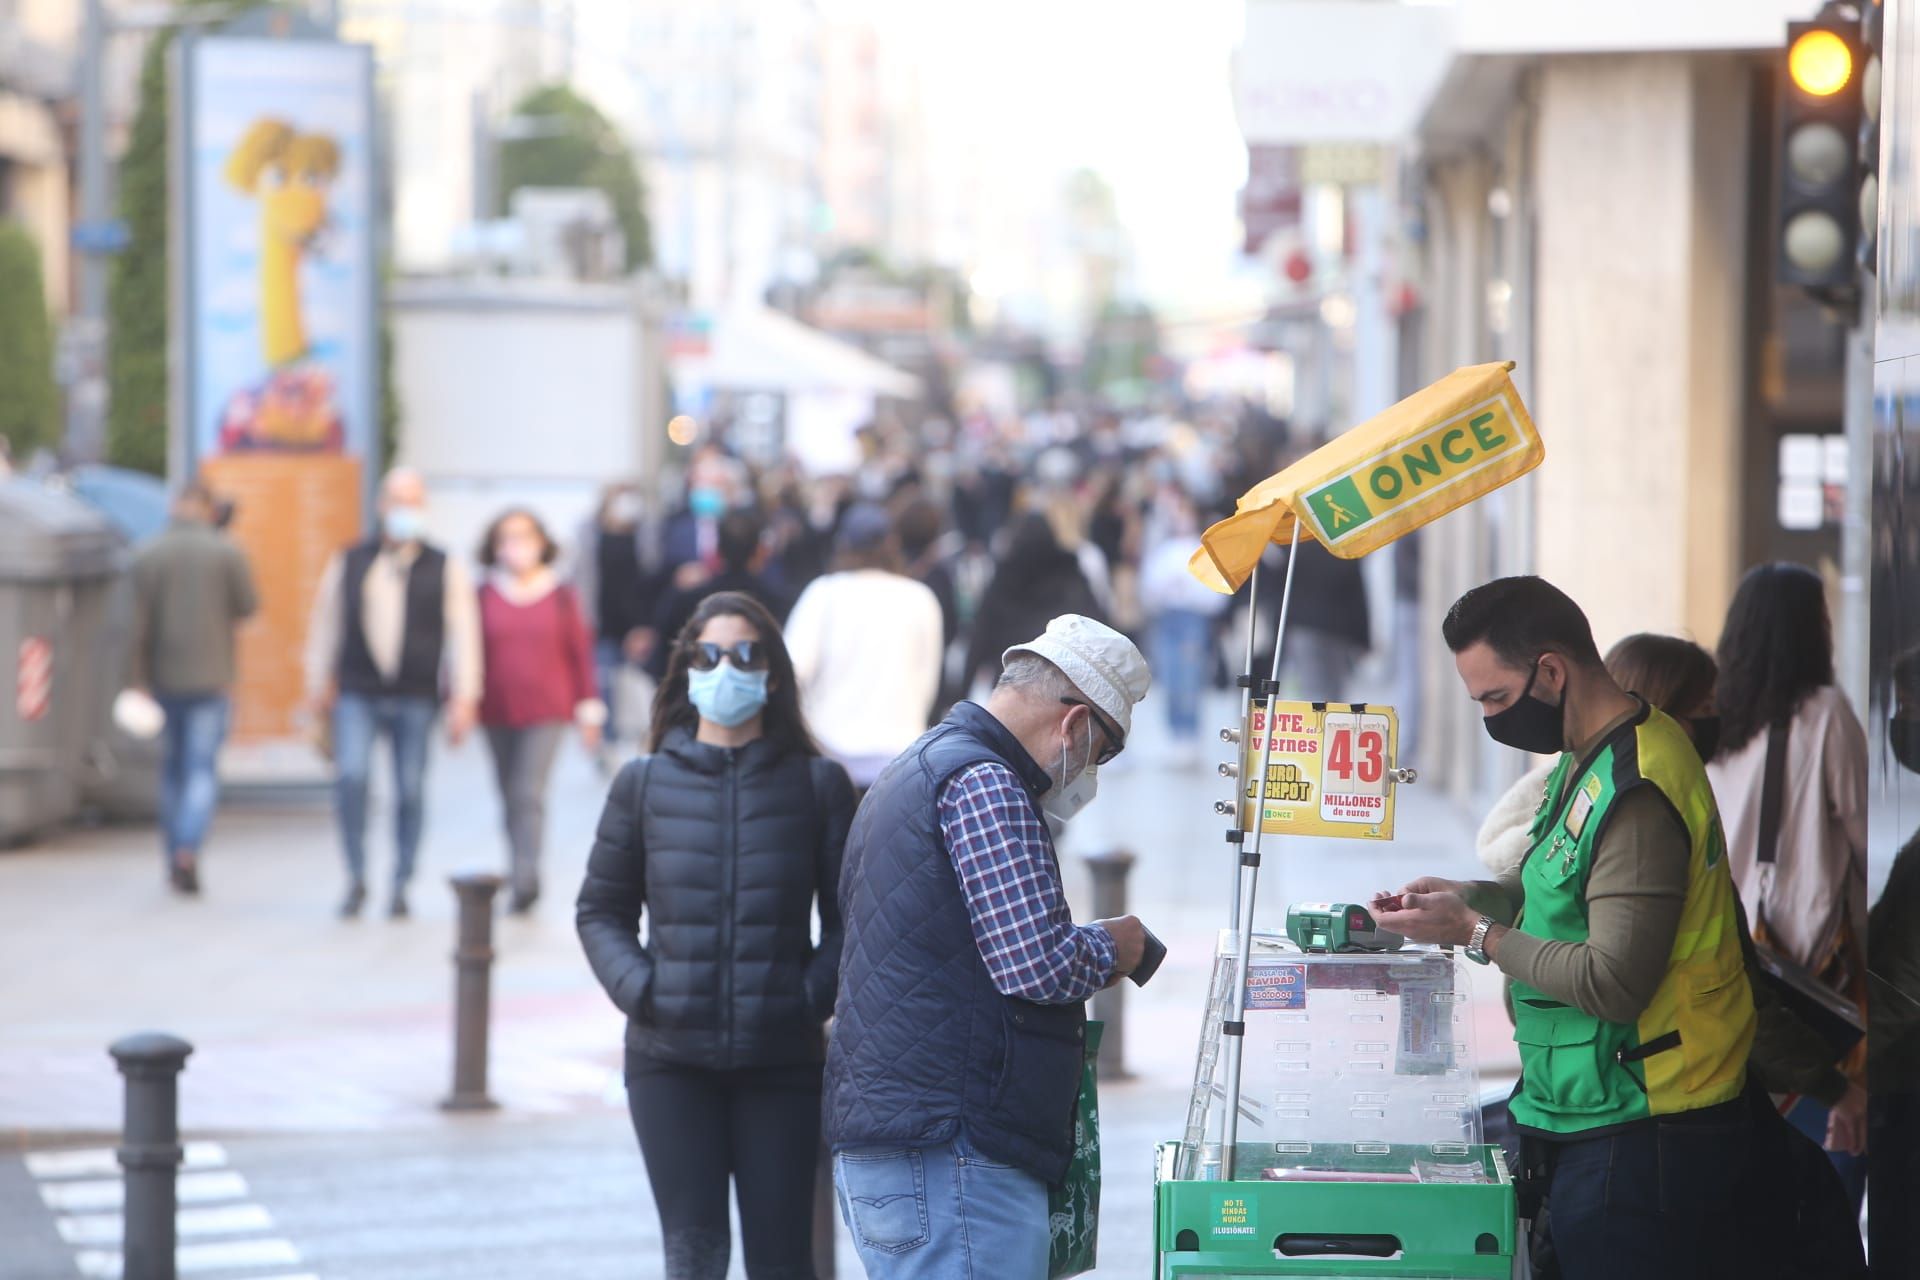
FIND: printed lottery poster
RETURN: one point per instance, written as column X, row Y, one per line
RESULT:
column 1331, row 773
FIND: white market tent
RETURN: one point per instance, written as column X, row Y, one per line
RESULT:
column 832, row 388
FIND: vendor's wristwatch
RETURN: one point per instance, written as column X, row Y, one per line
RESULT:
column 1477, row 945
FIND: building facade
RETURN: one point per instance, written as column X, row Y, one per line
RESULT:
column 1594, row 188
column 37, row 40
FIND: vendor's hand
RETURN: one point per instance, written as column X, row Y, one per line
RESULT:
column 1428, row 915
column 1422, row 884
column 1129, row 944
column 1847, row 1122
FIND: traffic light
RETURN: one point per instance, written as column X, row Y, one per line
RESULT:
column 1872, row 34
column 1817, row 156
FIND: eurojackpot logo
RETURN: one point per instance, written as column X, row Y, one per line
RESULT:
column 1417, row 470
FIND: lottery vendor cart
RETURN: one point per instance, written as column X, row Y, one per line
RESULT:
column 1334, row 1125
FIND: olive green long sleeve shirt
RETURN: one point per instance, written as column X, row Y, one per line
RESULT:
column 1636, row 889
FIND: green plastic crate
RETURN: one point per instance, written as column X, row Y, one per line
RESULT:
column 1460, row 1231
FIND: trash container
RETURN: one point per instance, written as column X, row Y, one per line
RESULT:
column 121, row 781
column 58, row 564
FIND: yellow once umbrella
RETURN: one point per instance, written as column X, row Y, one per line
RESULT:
column 1435, row 451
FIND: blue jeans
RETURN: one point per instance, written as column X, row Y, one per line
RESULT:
column 358, row 719
column 609, row 657
column 1655, row 1201
column 189, row 773
column 1182, row 664
column 942, row 1213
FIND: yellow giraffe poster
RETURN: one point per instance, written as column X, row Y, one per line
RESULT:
column 280, row 230
column 279, row 410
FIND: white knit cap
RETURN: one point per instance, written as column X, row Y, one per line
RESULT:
column 1102, row 664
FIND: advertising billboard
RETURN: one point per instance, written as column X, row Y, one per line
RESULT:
column 280, row 246
column 274, row 293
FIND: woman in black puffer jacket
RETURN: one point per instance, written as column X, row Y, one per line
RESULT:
column 728, row 838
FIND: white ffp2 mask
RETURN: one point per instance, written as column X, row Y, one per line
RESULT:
column 1065, row 801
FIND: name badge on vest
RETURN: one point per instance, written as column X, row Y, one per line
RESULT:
column 1583, row 806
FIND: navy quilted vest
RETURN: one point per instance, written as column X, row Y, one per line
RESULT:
column 923, row 1045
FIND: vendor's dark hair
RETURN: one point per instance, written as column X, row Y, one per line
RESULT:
column 1672, row 674
column 1776, row 647
column 1520, row 619
column 784, row 725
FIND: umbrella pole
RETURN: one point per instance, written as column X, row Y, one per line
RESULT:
column 1246, row 736
column 1238, row 833
column 1235, row 1030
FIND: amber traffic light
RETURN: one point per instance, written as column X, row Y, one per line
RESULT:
column 1817, row 154
column 1820, row 62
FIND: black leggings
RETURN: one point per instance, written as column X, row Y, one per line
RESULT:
column 761, row 1126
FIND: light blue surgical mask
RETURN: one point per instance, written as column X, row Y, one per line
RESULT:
column 727, row 696
column 707, row 503
column 405, row 524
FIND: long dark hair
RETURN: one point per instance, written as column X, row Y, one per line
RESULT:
column 1776, row 648
column 785, row 728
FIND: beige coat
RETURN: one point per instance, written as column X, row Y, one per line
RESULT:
column 1820, row 876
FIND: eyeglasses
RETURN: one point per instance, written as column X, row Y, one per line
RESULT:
column 748, row 655
column 1115, row 740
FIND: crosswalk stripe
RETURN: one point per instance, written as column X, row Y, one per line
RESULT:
column 222, row 1220
column 108, row 1194
column 102, row 1162
column 107, row 1264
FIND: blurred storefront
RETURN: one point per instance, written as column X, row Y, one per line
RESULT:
column 1588, row 191
column 1893, row 790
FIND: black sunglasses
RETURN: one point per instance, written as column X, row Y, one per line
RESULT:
column 1116, row 743
column 748, row 655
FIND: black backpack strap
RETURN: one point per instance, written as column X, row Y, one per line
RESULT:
column 818, row 768
column 1773, row 787
column 640, row 803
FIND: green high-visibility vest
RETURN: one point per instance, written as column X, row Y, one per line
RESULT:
column 1689, row 1047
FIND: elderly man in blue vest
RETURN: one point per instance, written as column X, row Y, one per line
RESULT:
column 959, row 1030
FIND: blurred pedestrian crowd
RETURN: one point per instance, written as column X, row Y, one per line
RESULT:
column 898, row 583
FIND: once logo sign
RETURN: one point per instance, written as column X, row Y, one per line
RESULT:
column 1416, row 470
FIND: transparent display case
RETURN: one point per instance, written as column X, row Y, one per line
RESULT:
column 1356, row 1067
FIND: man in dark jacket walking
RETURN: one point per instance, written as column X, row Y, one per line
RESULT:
column 192, row 588
column 959, row 1031
column 390, row 613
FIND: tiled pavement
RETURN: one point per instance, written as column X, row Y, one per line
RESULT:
column 323, row 1047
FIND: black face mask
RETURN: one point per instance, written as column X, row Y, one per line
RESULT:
column 1903, row 736
column 1706, row 735
column 1530, row 724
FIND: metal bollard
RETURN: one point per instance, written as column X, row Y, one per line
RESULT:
column 1109, row 872
column 473, row 992
column 150, row 1150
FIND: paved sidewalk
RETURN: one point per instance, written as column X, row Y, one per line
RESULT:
column 323, row 1046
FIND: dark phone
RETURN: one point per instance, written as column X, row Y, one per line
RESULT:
column 1150, row 959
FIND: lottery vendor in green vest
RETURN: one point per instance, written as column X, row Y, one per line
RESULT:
column 1630, row 998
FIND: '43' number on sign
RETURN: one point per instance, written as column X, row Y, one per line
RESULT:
column 1356, row 755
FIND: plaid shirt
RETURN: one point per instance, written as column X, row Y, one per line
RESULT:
column 1004, row 856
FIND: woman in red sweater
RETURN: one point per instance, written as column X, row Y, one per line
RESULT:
column 539, row 679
